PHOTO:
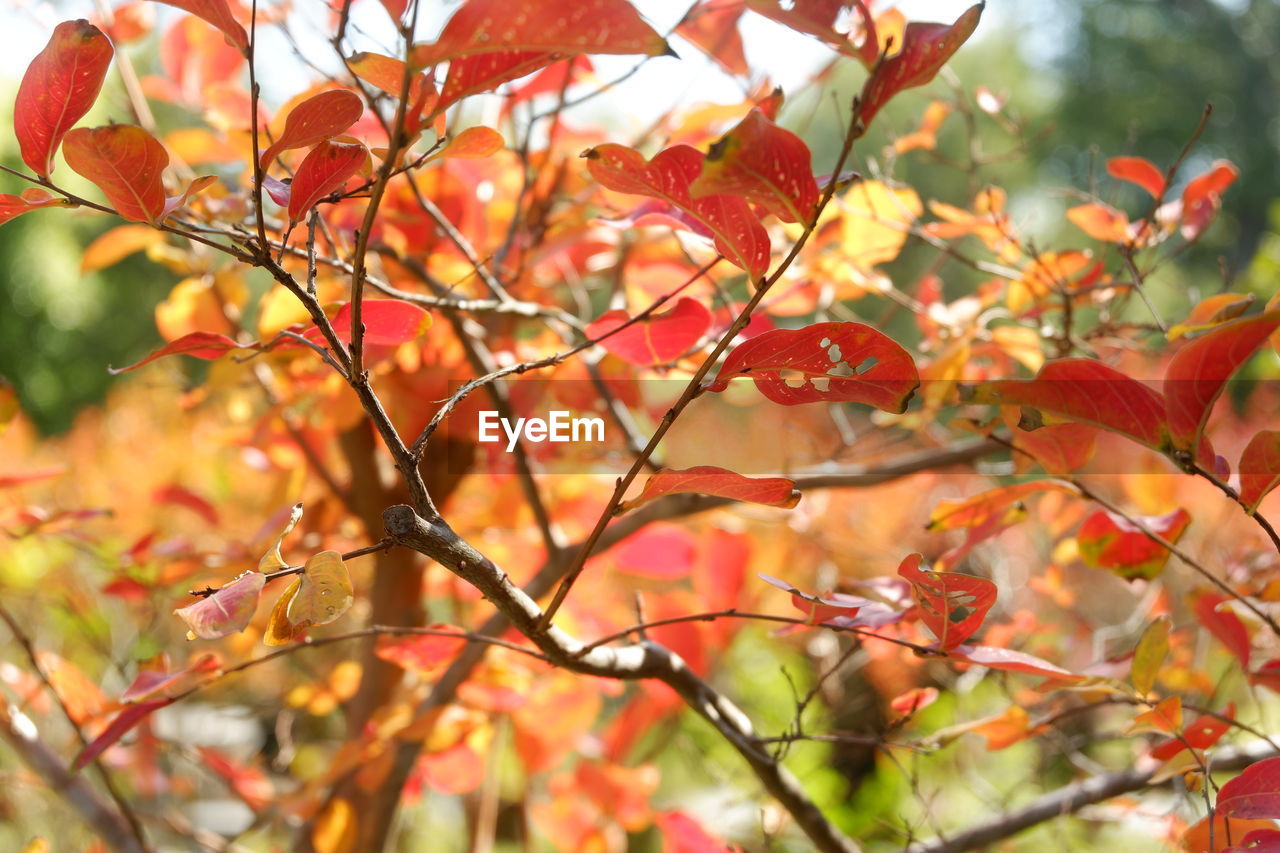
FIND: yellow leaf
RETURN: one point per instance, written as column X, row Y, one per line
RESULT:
column 279, row 631
column 1164, row 719
column 874, row 221
column 1149, row 655
column 335, row 831
column 324, row 592
column 271, row 561
column 118, row 243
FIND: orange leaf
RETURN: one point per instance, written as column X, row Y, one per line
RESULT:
column 115, row 244
column 126, row 163
column 58, row 88
column 1137, row 170
column 315, row 120
column 710, row 480
column 825, row 362
column 765, row 164
column 712, row 27
column 1203, row 196
column 32, row 198
column 977, row 510
column 1101, row 222
column 217, row 13
column 478, row 141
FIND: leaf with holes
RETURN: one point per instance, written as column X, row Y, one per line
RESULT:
column 1137, row 170
column 1254, row 793
column 925, row 49
column 656, row 339
column 718, row 482
column 1086, row 391
column 1115, row 543
column 123, row 723
column 834, row 362
column 951, row 604
column 765, row 164
column 738, row 234
column 551, row 27
column 318, row 118
column 58, row 88
column 320, row 595
column 1199, row 371
column 32, row 198
column 325, row 170
column 226, row 611
column 217, row 13
column 126, row 163
column 1259, row 468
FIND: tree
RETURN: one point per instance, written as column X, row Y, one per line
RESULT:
column 406, row 312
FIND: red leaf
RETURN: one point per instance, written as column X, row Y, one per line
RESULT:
column 682, row 834
column 820, row 608
column 32, row 198
column 470, row 75
column 126, row 163
column 178, row 496
column 1137, row 170
column 1011, row 661
column 387, row 74
column 815, row 18
column 205, row 345
column 1257, row 841
column 979, row 509
column 710, row 480
column 1255, row 793
column 226, row 611
column 825, row 362
column 217, row 13
column 1200, row 370
column 657, row 339
column 119, row 727
column 1061, row 449
column 58, row 88
column 548, row 26
column 248, row 782
column 765, row 164
column 712, row 27
column 387, row 322
column 551, row 80
column 1212, row 311
column 315, row 120
column 324, row 170
column 150, row 682
column 425, row 653
column 739, row 236
column 1203, row 732
column 1223, row 624
column 951, row 604
column 659, row 551
column 8, row 481
column 1203, row 196
column 1087, row 391
column 1259, row 468
column 1114, row 543
column 925, row 49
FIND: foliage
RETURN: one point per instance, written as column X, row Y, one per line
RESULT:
column 1005, row 531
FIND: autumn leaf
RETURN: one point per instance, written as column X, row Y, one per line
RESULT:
column 1223, row 623
column 387, row 74
column 324, row 170
column 126, row 163
column 738, row 234
column 1259, row 468
column 1199, row 371
column 1212, row 311
column 123, row 723
column 765, row 164
column 116, row 244
column 1100, row 221
column 712, row 27
column 320, row 595
column 1149, row 655
column 925, row 49
column 203, row 345
column 58, row 88
column 951, row 604
column 1137, row 170
column 718, row 482
column 1113, row 542
column 474, row 142
column 977, row 510
column 273, row 560
column 225, row 612
column 1011, row 660
column 1202, row 198
column 659, row 338
column 1201, row 733
column 315, row 120
column 819, row 609
column 426, row 654
column 32, row 198
column 1255, row 793
column 149, row 682
column 387, row 322
column 217, row 13
column 833, row 362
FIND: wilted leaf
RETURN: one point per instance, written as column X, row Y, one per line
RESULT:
column 217, row 13
column 126, row 163
column 1137, row 170
column 833, row 362
column 205, row 345
column 765, row 164
column 226, row 611
column 316, row 120
column 58, row 88
column 324, row 170
column 739, row 236
column 1199, row 371
column 1114, row 543
column 710, row 480
column 320, row 595
column 1255, row 793
column 951, row 604
column 659, row 338
column 119, row 727
column 272, row 560
column 32, row 198
column 1259, row 468
column 1149, row 655
column 925, row 49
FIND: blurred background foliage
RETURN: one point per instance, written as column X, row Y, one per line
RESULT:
column 1086, row 79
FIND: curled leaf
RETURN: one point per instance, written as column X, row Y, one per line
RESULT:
column 320, row 595
column 226, row 611
column 272, row 560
